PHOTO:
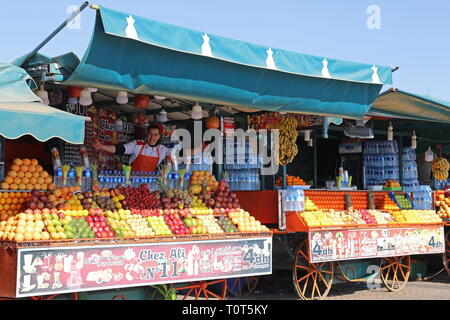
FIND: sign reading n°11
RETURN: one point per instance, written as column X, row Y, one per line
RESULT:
column 46, row 271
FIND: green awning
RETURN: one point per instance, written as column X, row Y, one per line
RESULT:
column 22, row 113
column 143, row 56
column 401, row 104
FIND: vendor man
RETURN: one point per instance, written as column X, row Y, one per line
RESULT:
column 145, row 155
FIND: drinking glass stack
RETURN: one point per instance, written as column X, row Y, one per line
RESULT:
column 381, row 162
column 421, row 195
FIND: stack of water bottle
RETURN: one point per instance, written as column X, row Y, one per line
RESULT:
column 244, row 179
column 200, row 163
column 410, row 174
column 293, row 200
column 422, row 195
column 381, row 162
column 243, row 165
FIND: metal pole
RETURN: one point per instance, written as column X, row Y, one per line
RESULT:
column 54, row 33
column 283, row 172
column 316, row 178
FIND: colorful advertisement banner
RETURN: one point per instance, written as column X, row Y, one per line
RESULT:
column 46, row 271
column 336, row 245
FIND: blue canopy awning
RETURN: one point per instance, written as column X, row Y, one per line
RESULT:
column 22, row 113
column 143, row 56
column 402, row 104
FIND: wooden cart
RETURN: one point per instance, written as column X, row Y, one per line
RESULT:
column 312, row 279
column 152, row 261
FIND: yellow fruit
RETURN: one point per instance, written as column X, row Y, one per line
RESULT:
column 19, row 237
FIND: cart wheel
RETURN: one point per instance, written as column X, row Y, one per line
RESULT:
column 395, row 272
column 446, row 255
column 240, row 287
column 346, row 273
column 216, row 289
column 311, row 280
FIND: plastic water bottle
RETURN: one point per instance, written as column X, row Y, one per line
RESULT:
column 72, row 178
column 86, row 180
column 101, row 178
column 58, row 178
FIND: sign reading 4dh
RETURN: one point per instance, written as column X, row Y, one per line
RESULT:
column 336, row 245
column 46, row 271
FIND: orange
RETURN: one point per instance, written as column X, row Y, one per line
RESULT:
column 33, row 180
column 44, row 174
column 12, row 174
column 40, row 180
column 13, row 186
column 15, row 167
column 39, row 168
column 34, row 162
column 28, row 175
column 22, row 186
column 31, row 168
column 25, row 180
column 17, row 180
column 20, row 174
column 36, row 175
column 48, row 180
column 57, row 193
column 37, row 186
column 51, row 186
column 18, row 162
column 9, row 180
column 26, row 162
column 44, row 187
column 24, row 168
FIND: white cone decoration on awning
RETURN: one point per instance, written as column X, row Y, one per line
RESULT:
column 325, row 72
column 206, row 47
column 130, row 31
column 270, row 63
column 375, row 78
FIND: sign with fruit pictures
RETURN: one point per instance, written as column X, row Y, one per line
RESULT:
column 336, row 245
column 45, row 271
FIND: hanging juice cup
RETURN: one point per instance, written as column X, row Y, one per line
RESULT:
column 79, row 172
column 65, row 170
column 127, row 172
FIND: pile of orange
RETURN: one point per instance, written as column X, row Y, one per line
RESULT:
column 26, row 174
column 204, row 177
column 359, row 200
column 327, row 199
column 64, row 198
column 291, row 181
column 11, row 203
column 388, row 204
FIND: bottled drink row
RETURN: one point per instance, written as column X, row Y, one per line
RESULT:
column 293, row 200
column 112, row 179
column 380, row 147
column 244, row 180
column 382, row 160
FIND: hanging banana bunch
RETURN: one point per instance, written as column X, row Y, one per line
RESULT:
column 440, row 167
column 287, row 140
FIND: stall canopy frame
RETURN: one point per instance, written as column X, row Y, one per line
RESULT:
column 137, row 55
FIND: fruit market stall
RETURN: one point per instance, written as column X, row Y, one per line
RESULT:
column 75, row 249
column 330, row 224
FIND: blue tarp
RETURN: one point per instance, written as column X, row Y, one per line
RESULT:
column 143, row 56
column 22, row 113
